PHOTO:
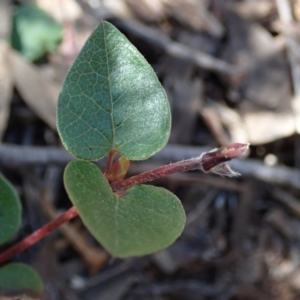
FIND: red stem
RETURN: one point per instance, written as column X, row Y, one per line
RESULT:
column 180, row 166
column 205, row 162
column 110, row 160
column 38, row 234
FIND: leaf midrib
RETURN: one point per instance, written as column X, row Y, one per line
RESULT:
column 109, row 83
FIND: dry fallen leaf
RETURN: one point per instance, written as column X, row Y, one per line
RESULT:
column 6, row 84
column 147, row 10
column 195, row 15
column 39, row 92
column 118, row 8
column 67, row 10
column 267, row 126
column 5, row 18
column 264, row 92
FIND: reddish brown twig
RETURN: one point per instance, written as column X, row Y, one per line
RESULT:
column 110, row 160
column 212, row 161
column 209, row 162
column 38, row 234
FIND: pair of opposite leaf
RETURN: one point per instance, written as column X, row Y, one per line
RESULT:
column 112, row 101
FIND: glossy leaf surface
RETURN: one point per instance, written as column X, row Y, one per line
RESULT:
column 143, row 220
column 112, row 99
column 10, row 210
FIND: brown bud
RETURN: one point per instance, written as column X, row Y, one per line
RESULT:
column 213, row 161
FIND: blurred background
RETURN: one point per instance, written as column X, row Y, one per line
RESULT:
column 231, row 69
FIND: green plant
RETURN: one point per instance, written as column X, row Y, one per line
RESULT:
column 34, row 32
column 15, row 278
column 113, row 104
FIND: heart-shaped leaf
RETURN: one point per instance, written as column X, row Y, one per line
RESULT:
column 112, row 99
column 18, row 280
column 10, row 210
column 145, row 219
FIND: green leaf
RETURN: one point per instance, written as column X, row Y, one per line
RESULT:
column 10, row 211
column 145, row 219
column 17, row 279
column 112, row 99
column 34, row 32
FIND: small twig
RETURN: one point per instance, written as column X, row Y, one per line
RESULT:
column 285, row 14
column 276, row 175
column 110, row 161
column 194, row 179
column 286, row 17
column 94, row 257
column 212, row 161
column 16, row 156
column 38, row 235
column 214, row 124
column 201, row 207
column 286, row 199
column 105, row 276
column 178, row 50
